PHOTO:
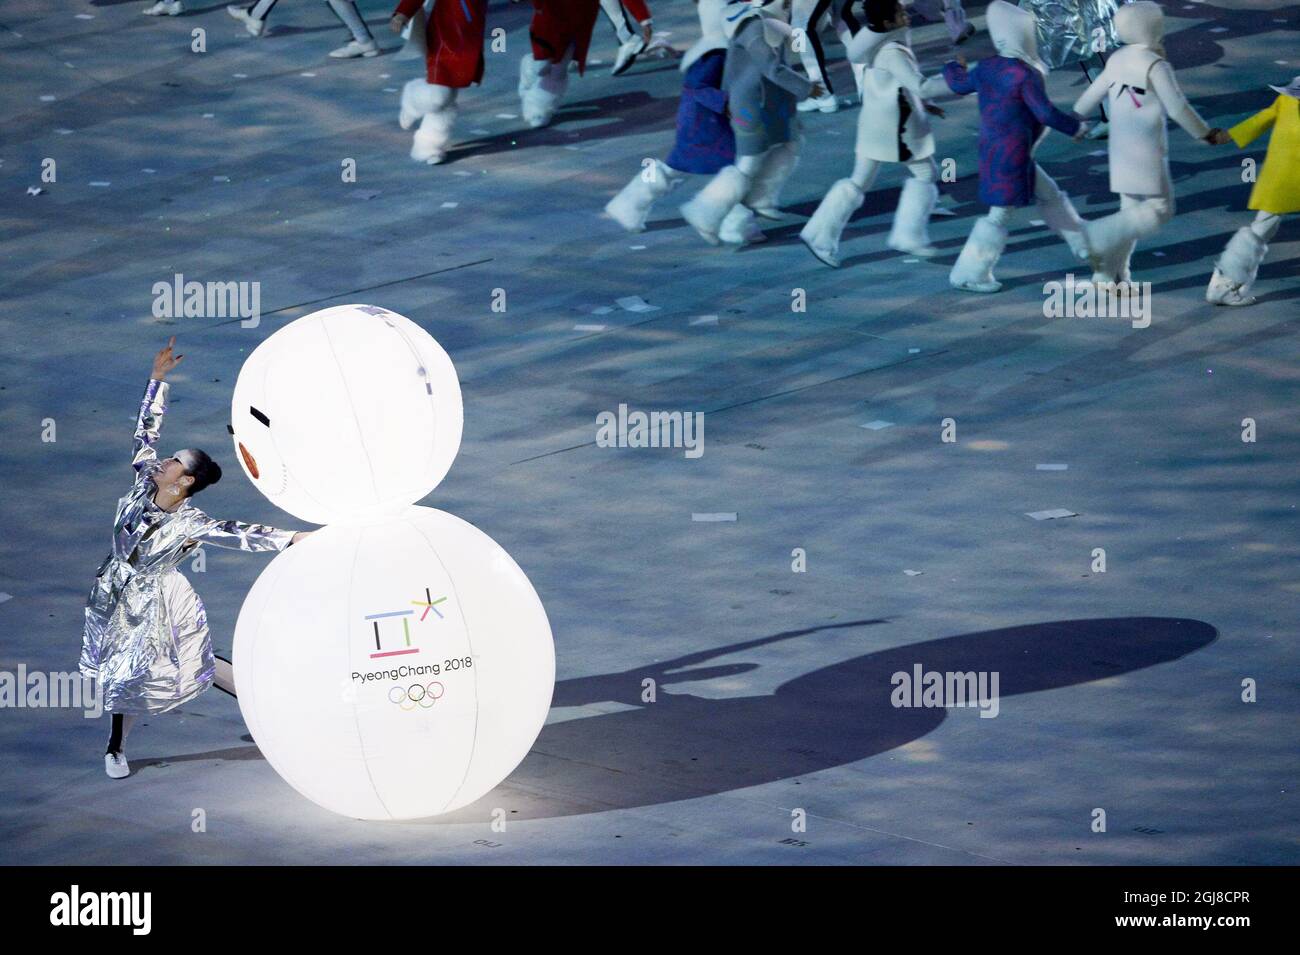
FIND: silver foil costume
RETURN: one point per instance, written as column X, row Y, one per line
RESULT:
column 146, row 635
column 1066, row 28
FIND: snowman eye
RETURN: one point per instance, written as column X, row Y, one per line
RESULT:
column 259, row 416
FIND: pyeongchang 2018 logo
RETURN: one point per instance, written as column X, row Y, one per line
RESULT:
column 390, row 642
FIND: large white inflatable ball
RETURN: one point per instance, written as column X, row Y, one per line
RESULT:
column 348, row 411
column 394, row 669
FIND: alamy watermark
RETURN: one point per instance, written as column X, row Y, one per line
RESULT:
column 1124, row 300
column 181, row 299
column 39, row 690
column 932, row 689
column 651, row 429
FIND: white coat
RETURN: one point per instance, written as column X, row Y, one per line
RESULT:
column 1139, row 86
column 890, row 77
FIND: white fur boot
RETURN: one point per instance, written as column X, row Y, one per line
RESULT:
column 418, row 98
column 1236, row 269
column 433, row 136
column 911, row 230
column 631, row 207
column 1110, row 243
column 542, row 98
column 765, row 191
column 705, row 212
column 822, row 232
column 1059, row 213
column 974, row 268
column 740, row 227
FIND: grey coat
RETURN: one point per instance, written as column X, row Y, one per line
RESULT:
column 762, row 91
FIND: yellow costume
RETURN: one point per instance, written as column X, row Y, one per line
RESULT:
column 1278, row 188
column 1276, row 192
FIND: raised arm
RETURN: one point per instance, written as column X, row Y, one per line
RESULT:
column 1034, row 95
column 152, row 408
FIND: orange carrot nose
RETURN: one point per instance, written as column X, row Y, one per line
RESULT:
column 249, row 461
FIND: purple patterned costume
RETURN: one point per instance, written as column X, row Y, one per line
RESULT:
column 1014, row 108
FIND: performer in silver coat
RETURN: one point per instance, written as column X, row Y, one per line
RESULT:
column 146, row 635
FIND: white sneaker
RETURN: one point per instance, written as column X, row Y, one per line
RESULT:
column 353, row 49
column 828, row 103
column 254, row 26
column 116, row 766
column 164, row 8
column 627, row 54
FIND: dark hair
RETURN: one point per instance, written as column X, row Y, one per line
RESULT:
column 879, row 13
column 205, row 471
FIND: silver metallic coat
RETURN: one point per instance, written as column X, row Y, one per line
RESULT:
column 1067, row 28
column 146, row 635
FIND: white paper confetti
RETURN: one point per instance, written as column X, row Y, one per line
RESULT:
column 705, row 320
column 34, row 190
column 637, row 248
column 590, row 328
column 914, row 573
column 64, row 132
column 47, row 98
column 449, row 205
column 462, row 172
column 308, row 75
column 713, row 518
column 391, row 89
column 1051, row 467
column 240, row 76
column 480, row 132
column 635, row 303
column 877, row 425
column 221, row 179
column 1050, row 515
column 914, row 351
column 507, row 116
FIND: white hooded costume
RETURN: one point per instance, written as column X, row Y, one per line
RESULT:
column 1140, row 90
column 892, row 128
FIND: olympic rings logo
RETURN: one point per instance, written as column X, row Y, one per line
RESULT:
column 422, row 695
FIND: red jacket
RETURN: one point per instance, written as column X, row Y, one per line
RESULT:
column 453, row 40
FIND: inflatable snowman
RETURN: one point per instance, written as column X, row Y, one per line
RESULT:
column 397, row 663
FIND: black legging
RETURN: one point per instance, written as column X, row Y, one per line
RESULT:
column 115, row 737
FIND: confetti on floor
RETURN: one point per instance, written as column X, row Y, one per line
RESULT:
column 877, row 425
column 1050, row 515
column 590, row 328
column 914, row 573
column 4, row 596
column 1051, row 467
column 221, row 179
column 34, row 190
column 635, row 303
column 713, row 518
column 64, row 132
column 705, row 320
column 308, row 75
column 914, row 351
column 637, row 248
column 506, row 116
column 449, row 205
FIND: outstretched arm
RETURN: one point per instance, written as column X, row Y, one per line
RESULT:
column 1250, row 129
column 1166, row 87
column 148, row 425
column 236, row 535
column 959, row 79
column 1034, row 95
